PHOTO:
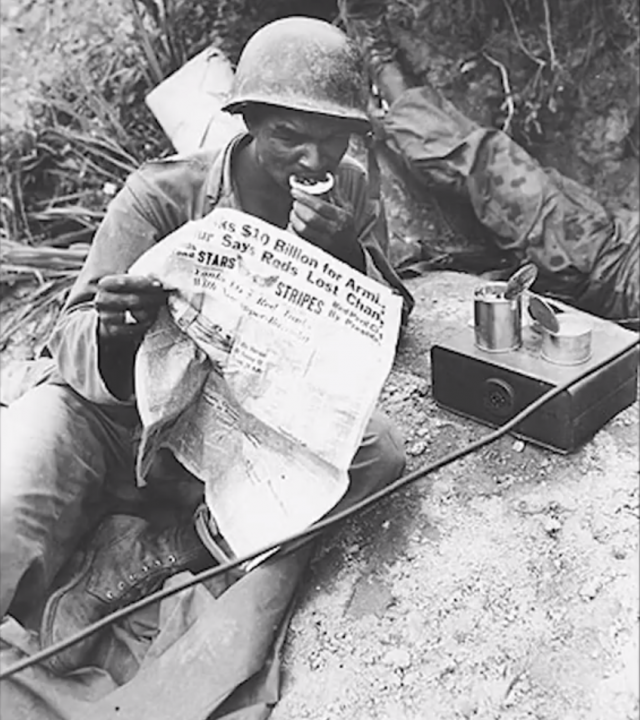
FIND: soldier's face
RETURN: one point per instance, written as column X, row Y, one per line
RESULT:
column 289, row 142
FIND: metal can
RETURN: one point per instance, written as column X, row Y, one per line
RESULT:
column 497, row 321
column 571, row 344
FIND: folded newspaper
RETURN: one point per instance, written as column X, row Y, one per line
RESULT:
column 262, row 372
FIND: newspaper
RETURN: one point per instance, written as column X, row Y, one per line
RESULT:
column 263, row 371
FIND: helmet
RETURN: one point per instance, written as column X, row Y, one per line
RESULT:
column 303, row 64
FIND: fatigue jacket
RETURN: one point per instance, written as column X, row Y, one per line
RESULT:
column 157, row 199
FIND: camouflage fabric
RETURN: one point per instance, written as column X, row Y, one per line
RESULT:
column 585, row 255
column 613, row 287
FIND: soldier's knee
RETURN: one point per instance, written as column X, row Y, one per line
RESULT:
column 391, row 446
column 381, row 451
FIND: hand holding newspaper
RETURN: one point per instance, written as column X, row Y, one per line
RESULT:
column 262, row 373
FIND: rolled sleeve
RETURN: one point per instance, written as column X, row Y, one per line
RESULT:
column 74, row 345
column 132, row 226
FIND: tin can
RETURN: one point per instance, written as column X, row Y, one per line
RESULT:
column 497, row 321
column 571, row 344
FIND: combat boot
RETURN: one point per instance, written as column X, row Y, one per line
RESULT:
column 365, row 22
column 126, row 559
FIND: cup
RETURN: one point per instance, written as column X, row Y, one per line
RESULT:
column 571, row 344
column 497, row 321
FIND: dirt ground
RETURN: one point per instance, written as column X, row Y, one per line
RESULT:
column 504, row 586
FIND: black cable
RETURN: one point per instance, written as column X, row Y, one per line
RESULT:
column 313, row 529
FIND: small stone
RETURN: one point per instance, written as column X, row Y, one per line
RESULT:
column 567, row 505
column 422, row 390
column 552, row 526
column 590, row 589
column 619, row 552
column 393, row 681
column 109, row 189
column 518, row 446
column 397, row 658
column 417, row 448
column 600, row 528
column 412, row 680
column 467, row 708
column 448, row 667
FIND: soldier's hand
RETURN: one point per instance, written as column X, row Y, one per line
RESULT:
column 128, row 305
column 327, row 223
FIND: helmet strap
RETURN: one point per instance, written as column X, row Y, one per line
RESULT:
column 373, row 167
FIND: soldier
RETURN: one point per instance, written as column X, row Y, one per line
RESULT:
column 585, row 255
column 69, row 444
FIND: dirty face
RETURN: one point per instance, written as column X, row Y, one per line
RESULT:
column 289, row 142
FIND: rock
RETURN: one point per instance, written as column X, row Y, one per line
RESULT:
column 518, row 446
column 552, row 526
column 600, row 527
column 397, row 658
column 411, row 553
column 619, row 552
column 412, row 679
column 590, row 589
column 417, row 448
column 467, row 708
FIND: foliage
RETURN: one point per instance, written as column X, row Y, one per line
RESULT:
column 542, row 51
column 88, row 133
column 91, row 127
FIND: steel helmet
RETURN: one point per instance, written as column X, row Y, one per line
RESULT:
column 303, row 64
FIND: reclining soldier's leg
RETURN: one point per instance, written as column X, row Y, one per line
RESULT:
column 586, row 254
column 365, row 21
column 56, row 452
